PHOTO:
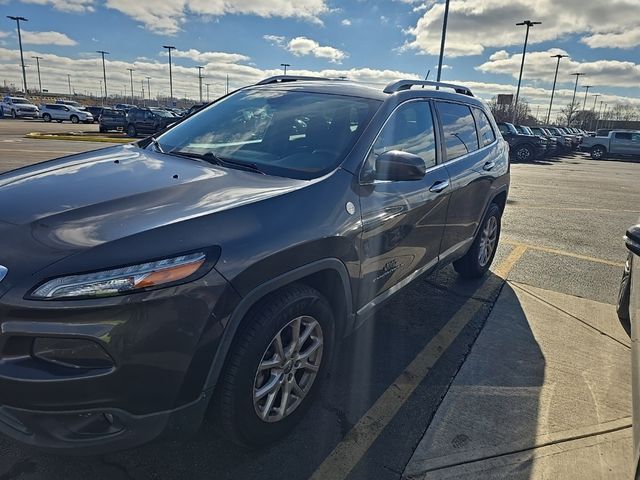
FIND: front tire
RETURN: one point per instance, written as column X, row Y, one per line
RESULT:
column 276, row 366
column 14, row 114
column 131, row 131
column 478, row 259
column 74, row 119
column 524, row 153
column 598, row 152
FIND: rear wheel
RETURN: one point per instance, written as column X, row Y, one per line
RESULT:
column 277, row 365
column 131, row 130
column 598, row 152
column 46, row 117
column 479, row 257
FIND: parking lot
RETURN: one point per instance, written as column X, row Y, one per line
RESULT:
column 561, row 242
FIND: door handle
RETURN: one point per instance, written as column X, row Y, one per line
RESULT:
column 439, row 186
column 489, row 165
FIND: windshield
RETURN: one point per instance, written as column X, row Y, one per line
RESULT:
column 293, row 134
column 20, row 101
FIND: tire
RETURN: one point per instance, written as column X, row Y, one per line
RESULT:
column 242, row 379
column 46, row 117
column 131, row 130
column 524, row 153
column 477, row 261
column 102, row 130
column 14, row 114
column 598, row 152
column 624, row 297
column 74, row 119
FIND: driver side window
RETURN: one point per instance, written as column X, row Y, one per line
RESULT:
column 408, row 129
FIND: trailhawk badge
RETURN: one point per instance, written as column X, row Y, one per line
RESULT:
column 3, row 272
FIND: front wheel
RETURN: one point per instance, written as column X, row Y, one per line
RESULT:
column 479, row 257
column 131, row 130
column 276, row 366
column 598, row 152
column 14, row 114
column 524, row 153
column 74, row 119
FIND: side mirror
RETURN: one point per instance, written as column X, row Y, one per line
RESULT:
column 399, row 166
column 632, row 239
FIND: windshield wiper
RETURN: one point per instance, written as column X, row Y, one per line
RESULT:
column 216, row 160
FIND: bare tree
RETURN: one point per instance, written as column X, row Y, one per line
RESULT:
column 504, row 113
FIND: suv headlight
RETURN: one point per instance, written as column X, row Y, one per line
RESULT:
column 122, row 280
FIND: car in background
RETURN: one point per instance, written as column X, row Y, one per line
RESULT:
column 629, row 315
column 522, row 147
column 602, row 132
column 95, row 111
column 553, row 143
column 195, row 108
column 144, row 120
column 71, row 103
column 617, row 143
column 61, row 113
column 112, row 119
column 564, row 141
column 18, row 107
column 124, row 106
column 546, row 144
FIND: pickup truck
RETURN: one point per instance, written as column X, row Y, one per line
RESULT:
column 522, row 147
column 616, row 143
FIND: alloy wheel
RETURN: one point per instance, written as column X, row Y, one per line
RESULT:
column 488, row 240
column 523, row 153
column 288, row 369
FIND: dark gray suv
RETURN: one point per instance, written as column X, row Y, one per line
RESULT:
column 225, row 259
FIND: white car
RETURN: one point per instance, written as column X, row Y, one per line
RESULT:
column 60, row 113
column 18, row 107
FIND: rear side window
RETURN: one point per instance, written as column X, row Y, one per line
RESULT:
column 623, row 136
column 485, row 131
column 409, row 129
column 459, row 129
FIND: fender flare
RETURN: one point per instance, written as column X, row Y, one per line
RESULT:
column 249, row 300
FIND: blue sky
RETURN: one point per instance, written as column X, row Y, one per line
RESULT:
column 371, row 41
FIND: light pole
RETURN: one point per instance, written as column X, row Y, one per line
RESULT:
column 207, row 85
column 39, row 79
column 529, row 24
column 443, row 39
column 169, row 48
column 24, row 72
column 284, row 65
column 149, row 88
column 554, row 83
column 595, row 100
column 69, row 80
column 131, row 78
column 573, row 100
column 586, row 87
column 200, row 81
column 101, row 94
column 599, row 113
column 227, row 84
column 104, row 72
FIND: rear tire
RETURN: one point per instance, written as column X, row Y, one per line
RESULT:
column 131, row 130
column 478, row 259
column 251, row 419
column 46, row 117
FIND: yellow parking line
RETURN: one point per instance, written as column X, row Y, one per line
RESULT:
column 563, row 253
column 355, row 444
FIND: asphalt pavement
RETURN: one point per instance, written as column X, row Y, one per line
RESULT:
column 562, row 232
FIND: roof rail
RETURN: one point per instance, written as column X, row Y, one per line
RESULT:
column 394, row 87
column 289, row 78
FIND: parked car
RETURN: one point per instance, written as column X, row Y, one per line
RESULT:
column 147, row 120
column 603, row 132
column 564, row 140
column 523, row 147
column 95, row 111
column 18, row 107
column 227, row 253
column 71, row 103
column 553, row 143
column 546, row 148
column 629, row 315
column 617, row 143
column 112, row 119
column 123, row 106
column 60, row 113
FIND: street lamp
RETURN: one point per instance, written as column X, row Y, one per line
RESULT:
column 575, row 89
column 200, row 81
column 149, row 88
column 559, row 56
column 131, row 77
column 284, row 65
column 69, row 80
column 207, row 85
column 586, row 87
column 595, row 100
column 169, row 48
column 24, row 73
column 104, row 72
column 443, row 39
column 39, row 79
column 529, row 24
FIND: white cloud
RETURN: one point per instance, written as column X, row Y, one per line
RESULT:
column 539, row 66
column 76, row 6
column 275, row 40
column 475, row 25
column 346, row 22
column 305, row 46
column 47, row 38
column 167, row 16
column 4, row 34
column 208, row 57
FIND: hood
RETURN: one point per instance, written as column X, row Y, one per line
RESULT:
column 63, row 206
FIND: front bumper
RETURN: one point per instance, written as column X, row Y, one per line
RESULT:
column 161, row 343
column 28, row 113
